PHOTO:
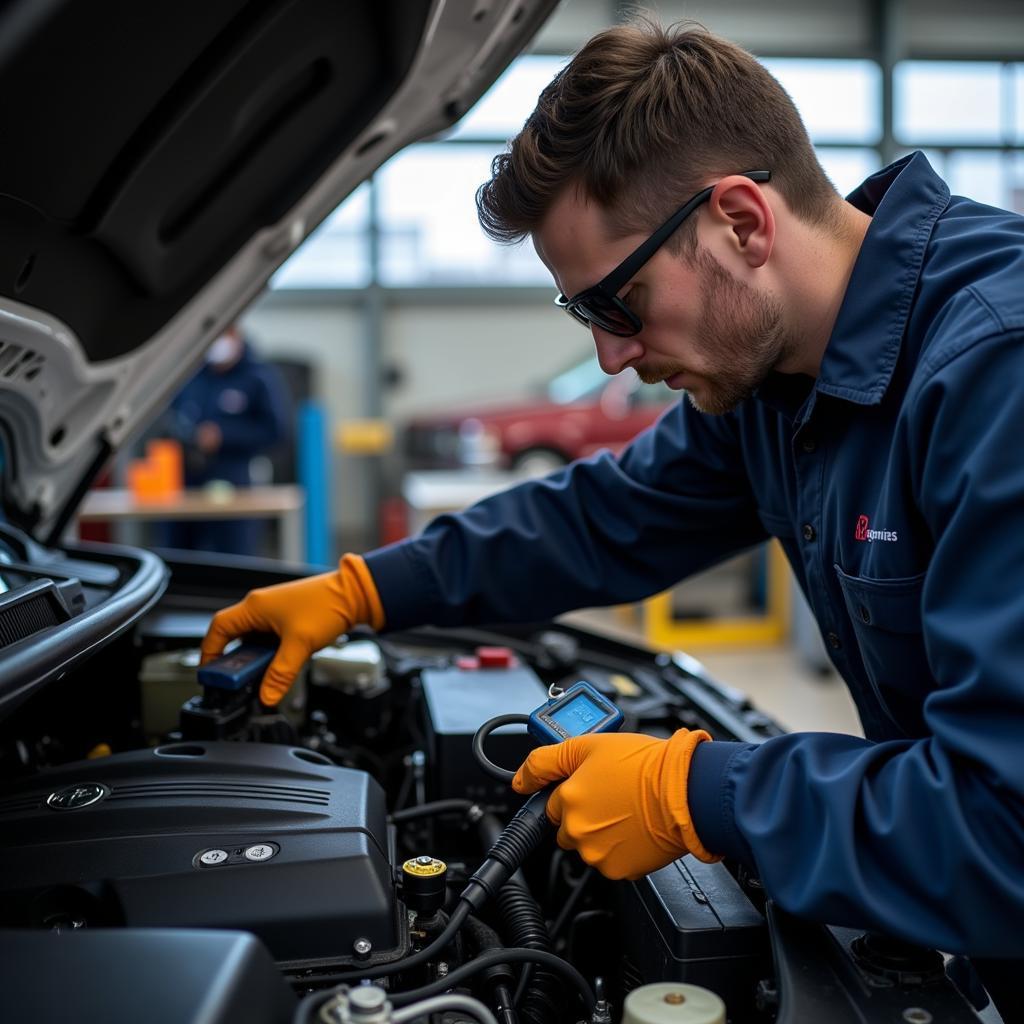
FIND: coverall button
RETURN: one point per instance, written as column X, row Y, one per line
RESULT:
column 809, row 444
column 808, row 531
column 833, row 641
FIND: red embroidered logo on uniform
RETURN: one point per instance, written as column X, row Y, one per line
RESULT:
column 863, row 531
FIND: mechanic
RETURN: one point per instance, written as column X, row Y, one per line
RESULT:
column 236, row 407
column 855, row 381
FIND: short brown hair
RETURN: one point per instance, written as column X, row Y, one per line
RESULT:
column 639, row 119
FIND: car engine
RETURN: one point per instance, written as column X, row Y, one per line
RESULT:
column 348, row 846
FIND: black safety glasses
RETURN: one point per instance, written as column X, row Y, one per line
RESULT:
column 600, row 305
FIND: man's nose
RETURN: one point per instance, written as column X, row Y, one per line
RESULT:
column 613, row 352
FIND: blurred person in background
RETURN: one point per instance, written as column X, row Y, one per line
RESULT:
column 235, row 408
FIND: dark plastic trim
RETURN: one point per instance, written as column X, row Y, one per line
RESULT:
column 27, row 665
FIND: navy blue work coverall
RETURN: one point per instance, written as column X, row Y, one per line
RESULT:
column 248, row 403
column 895, row 483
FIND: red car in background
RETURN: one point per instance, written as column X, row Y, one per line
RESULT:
column 582, row 411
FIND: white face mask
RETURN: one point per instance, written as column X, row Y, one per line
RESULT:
column 223, row 350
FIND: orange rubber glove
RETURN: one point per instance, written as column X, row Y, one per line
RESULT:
column 623, row 804
column 306, row 614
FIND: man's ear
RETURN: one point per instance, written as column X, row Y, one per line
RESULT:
column 740, row 206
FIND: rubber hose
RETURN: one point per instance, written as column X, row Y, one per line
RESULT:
column 543, row 1000
column 484, row 939
column 525, row 926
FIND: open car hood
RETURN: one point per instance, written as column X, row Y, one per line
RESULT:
column 160, row 164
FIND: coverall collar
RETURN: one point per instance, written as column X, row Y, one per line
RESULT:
column 904, row 201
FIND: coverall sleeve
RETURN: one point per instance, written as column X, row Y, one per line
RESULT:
column 601, row 531
column 921, row 838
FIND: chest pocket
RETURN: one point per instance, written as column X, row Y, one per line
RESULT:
column 886, row 617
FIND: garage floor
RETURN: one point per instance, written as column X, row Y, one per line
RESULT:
column 776, row 679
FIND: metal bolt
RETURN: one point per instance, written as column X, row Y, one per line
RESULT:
column 362, row 948
column 425, row 861
column 675, row 998
column 917, row 1015
column 442, row 970
column 367, row 997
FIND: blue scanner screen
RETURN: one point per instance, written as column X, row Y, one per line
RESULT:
column 578, row 716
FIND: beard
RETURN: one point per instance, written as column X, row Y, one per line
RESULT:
column 740, row 337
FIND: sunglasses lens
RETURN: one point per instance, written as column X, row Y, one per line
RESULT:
column 608, row 314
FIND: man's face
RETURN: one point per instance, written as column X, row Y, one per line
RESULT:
column 703, row 329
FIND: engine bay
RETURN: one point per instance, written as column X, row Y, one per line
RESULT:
column 341, row 832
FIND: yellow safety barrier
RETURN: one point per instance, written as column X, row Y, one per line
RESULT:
column 364, row 437
column 663, row 629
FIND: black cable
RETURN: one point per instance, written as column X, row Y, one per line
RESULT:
column 524, row 926
column 309, row 1006
column 520, row 837
column 306, row 1011
column 570, row 903
column 504, row 1010
column 406, row 784
column 495, row 771
column 435, row 807
column 459, row 914
column 484, row 939
column 553, row 867
column 485, row 960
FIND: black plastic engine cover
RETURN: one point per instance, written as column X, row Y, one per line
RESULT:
column 124, row 976
column 268, row 839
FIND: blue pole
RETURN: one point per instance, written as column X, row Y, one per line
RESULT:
column 315, row 478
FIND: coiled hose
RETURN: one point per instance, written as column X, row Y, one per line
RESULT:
column 525, row 927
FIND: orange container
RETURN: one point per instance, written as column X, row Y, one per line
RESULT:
column 160, row 476
column 143, row 482
column 167, row 461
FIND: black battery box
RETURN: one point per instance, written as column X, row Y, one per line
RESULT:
column 692, row 922
column 457, row 702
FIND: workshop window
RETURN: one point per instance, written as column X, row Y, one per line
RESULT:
column 968, row 115
column 948, row 101
column 960, row 112
column 839, row 100
column 429, row 230
column 336, row 254
column 1018, row 103
column 847, row 168
column 504, row 108
column 429, row 233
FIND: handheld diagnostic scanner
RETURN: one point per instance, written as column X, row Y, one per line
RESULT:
column 568, row 713
column 574, row 712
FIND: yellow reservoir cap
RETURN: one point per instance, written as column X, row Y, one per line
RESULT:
column 424, row 867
